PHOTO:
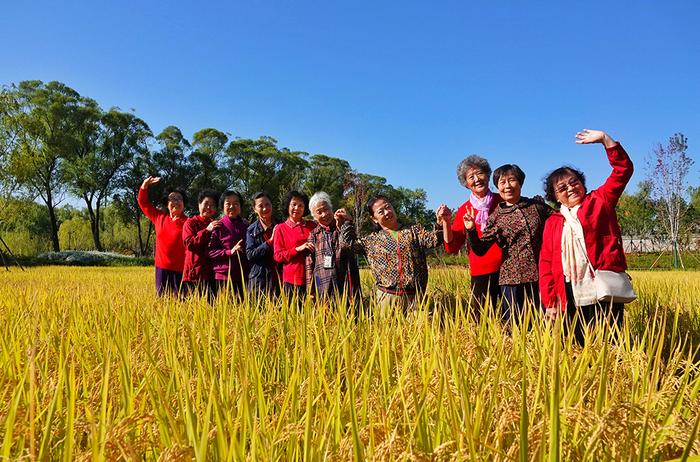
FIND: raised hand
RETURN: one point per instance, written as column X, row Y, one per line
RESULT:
column 468, row 220
column 213, row 225
column 443, row 214
column 588, row 136
column 149, row 181
column 341, row 216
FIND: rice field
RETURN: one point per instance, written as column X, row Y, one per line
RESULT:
column 94, row 367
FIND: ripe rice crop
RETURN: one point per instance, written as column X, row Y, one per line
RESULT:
column 94, row 367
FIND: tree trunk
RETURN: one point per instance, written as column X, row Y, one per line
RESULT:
column 94, row 223
column 141, row 250
column 53, row 221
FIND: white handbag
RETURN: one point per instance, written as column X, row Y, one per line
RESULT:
column 613, row 287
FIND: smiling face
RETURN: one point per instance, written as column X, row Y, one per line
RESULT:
column 509, row 187
column 296, row 209
column 569, row 190
column 207, row 208
column 263, row 208
column 477, row 181
column 322, row 213
column 383, row 214
column 176, row 205
column 232, row 206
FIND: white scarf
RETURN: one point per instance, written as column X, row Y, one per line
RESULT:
column 482, row 206
column 574, row 259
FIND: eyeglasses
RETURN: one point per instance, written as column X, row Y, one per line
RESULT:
column 561, row 188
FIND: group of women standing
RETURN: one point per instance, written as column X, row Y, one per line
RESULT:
column 522, row 252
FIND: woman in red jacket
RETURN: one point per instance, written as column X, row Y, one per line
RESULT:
column 473, row 173
column 170, row 251
column 198, row 274
column 585, row 229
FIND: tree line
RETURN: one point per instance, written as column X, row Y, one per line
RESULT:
column 56, row 143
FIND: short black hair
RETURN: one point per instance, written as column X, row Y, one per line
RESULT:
column 207, row 193
column 288, row 199
column 164, row 199
column 228, row 193
column 260, row 195
column 556, row 175
column 513, row 169
column 373, row 200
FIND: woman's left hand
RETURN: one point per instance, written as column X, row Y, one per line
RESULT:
column 588, row 136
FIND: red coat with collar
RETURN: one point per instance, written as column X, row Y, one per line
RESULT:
column 601, row 232
column 196, row 236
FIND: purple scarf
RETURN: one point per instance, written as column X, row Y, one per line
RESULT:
column 482, row 206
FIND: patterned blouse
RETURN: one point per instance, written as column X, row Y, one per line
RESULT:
column 398, row 260
column 518, row 231
column 330, row 267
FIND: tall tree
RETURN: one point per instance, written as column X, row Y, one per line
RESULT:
column 668, row 173
column 327, row 174
column 172, row 162
column 46, row 121
column 208, row 146
column 93, row 175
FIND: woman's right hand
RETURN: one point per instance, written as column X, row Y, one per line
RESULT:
column 149, row 181
column 305, row 246
column 468, row 220
column 213, row 225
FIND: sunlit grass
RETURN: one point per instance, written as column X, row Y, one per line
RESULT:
column 93, row 367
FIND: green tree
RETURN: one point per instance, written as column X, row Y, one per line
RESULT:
column 637, row 212
column 45, row 123
column 327, row 174
column 172, row 163
column 206, row 159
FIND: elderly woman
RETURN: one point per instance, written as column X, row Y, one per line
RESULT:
column 227, row 246
column 330, row 268
column 291, row 244
column 396, row 254
column 474, row 172
column 170, row 251
column 197, row 275
column 516, row 226
column 583, row 233
column 265, row 272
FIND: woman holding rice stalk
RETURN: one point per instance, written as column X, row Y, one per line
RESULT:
column 227, row 246
column 170, row 250
column 197, row 275
column 265, row 274
column 583, row 235
column 473, row 173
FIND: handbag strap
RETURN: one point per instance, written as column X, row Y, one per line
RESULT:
column 579, row 238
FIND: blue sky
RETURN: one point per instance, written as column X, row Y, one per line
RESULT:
column 400, row 89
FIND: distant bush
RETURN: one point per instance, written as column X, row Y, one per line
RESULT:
column 91, row 258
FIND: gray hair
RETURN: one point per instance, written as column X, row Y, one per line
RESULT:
column 472, row 161
column 318, row 198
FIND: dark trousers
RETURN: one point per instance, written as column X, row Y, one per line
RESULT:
column 485, row 289
column 234, row 288
column 292, row 290
column 518, row 297
column 590, row 315
column 202, row 288
column 168, row 281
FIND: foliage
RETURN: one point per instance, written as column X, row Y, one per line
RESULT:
column 95, row 367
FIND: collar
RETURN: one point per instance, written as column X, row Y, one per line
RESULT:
column 293, row 224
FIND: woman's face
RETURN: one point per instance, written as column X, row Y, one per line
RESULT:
column 383, row 214
column 509, row 187
column 207, row 208
column 232, row 206
column 296, row 209
column 176, row 206
column 569, row 191
column 263, row 208
column 477, row 181
column 322, row 213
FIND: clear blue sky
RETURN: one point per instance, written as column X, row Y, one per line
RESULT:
column 400, row 89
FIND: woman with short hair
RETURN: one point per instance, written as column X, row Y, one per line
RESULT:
column 584, row 233
column 330, row 269
column 516, row 226
column 227, row 246
column 291, row 245
column 169, row 251
column 198, row 275
column 473, row 173
column 265, row 273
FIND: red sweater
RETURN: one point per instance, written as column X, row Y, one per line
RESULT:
column 170, row 251
column 601, row 232
column 288, row 236
column 478, row 265
column 196, row 237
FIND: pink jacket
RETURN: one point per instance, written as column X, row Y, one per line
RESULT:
column 601, row 232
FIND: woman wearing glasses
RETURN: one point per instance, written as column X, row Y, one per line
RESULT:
column 583, row 233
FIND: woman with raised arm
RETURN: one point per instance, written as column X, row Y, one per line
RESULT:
column 396, row 254
column 265, row 273
column 473, row 173
column 516, row 226
column 170, row 251
column 197, row 275
column 227, row 246
column 291, row 246
column 584, row 233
